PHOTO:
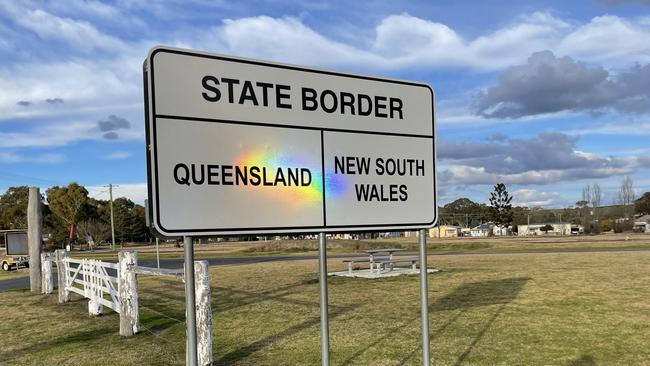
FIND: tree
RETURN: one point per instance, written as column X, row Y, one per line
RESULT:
column 130, row 222
column 642, row 205
column 97, row 229
column 626, row 193
column 464, row 211
column 500, row 206
column 13, row 208
column 68, row 202
column 596, row 196
column 546, row 228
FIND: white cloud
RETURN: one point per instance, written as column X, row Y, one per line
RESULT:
column 534, row 198
column 622, row 126
column 60, row 134
column 471, row 175
column 48, row 158
column 80, row 34
column 285, row 39
column 398, row 42
column 83, row 84
column 403, row 41
column 136, row 192
column 608, row 38
column 118, row 155
column 111, row 82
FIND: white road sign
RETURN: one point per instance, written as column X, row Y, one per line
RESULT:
column 240, row 146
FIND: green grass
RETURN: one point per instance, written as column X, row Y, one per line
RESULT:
column 440, row 246
column 505, row 309
column 23, row 272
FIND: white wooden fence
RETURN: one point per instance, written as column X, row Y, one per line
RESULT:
column 92, row 279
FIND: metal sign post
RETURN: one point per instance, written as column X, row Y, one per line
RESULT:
column 324, row 315
column 424, row 299
column 158, row 252
column 190, row 302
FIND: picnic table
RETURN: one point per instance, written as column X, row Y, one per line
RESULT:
column 379, row 258
column 390, row 251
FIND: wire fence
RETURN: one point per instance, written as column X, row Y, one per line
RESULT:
column 162, row 315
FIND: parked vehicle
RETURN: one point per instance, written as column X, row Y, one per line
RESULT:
column 15, row 253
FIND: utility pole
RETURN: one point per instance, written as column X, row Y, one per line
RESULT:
column 110, row 194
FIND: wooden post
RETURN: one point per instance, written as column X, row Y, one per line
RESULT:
column 47, row 280
column 94, row 285
column 62, row 271
column 34, row 238
column 127, row 287
column 203, row 313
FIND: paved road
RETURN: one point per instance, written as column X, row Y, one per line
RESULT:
column 23, row 282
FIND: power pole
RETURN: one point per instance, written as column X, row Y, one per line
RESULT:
column 110, row 194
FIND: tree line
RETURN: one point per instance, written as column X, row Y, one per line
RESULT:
column 588, row 211
column 70, row 206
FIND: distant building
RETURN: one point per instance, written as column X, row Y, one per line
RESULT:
column 557, row 228
column 444, row 231
column 411, row 234
column 502, row 231
column 642, row 224
column 486, row 229
column 393, row 234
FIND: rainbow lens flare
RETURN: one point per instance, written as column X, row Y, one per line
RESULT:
column 271, row 160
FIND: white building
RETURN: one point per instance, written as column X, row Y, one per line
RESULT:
column 501, row 231
column 486, row 229
column 642, row 224
column 557, row 228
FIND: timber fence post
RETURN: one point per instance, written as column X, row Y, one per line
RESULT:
column 127, row 287
column 203, row 313
column 62, row 271
column 94, row 285
column 47, row 282
column 34, row 238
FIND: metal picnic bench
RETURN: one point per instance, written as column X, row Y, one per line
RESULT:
column 378, row 262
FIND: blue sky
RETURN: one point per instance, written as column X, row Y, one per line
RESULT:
column 547, row 96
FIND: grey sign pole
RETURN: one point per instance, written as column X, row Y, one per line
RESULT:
column 157, row 252
column 324, row 316
column 190, row 302
column 424, row 300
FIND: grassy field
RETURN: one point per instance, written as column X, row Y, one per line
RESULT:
column 504, row 309
column 13, row 274
column 439, row 246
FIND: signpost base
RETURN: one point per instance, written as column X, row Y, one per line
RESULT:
column 324, row 315
column 424, row 299
column 190, row 302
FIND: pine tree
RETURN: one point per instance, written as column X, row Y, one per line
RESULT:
column 500, row 206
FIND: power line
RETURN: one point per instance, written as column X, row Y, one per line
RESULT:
column 20, row 177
